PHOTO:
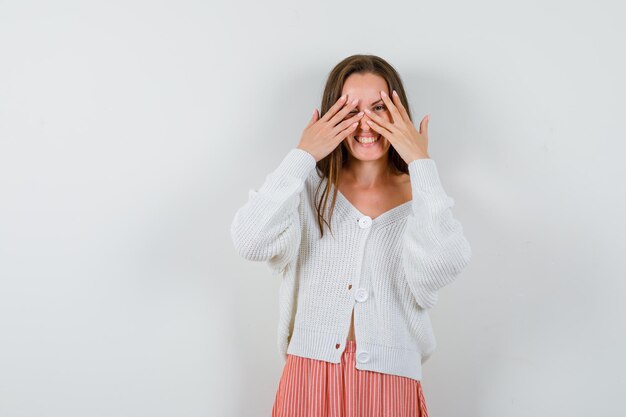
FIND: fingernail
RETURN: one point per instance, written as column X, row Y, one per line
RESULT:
column 360, row 114
column 382, row 93
column 356, row 100
column 394, row 93
column 342, row 97
column 368, row 111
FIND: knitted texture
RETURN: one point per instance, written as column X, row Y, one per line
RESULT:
column 389, row 268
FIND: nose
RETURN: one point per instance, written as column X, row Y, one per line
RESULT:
column 363, row 125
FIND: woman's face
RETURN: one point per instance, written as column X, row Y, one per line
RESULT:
column 366, row 87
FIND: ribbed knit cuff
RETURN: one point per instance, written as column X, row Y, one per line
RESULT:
column 424, row 174
column 298, row 163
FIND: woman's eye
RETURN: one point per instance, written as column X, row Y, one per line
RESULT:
column 353, row 112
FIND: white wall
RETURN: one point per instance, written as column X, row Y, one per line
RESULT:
column 130, row 132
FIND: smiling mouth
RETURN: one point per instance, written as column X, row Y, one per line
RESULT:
column 366, row 140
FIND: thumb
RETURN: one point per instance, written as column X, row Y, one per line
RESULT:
column 314, row 118
column 424, row 125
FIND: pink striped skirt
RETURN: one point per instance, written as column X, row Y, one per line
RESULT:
column 314, row 388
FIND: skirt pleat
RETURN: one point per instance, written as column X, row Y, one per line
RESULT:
column 314, row 388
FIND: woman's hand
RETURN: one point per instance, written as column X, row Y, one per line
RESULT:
column 321, row 136
column 405, row 139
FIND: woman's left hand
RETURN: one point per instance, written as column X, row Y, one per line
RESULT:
column 405, row 139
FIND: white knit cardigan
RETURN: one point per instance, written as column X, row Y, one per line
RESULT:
column 389, row 268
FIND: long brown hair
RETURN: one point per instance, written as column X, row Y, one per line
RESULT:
column 330, row 167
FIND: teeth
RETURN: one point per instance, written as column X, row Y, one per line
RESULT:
column 366, row 139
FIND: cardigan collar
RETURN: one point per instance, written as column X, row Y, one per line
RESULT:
column 345, row 210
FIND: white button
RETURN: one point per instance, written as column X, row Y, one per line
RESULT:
column 363, row 356
column 365, row 222
column 360, row 294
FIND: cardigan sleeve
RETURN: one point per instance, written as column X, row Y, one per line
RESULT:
column 434, row 248
column 267, row 227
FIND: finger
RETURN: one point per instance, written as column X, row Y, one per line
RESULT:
column 344, row 133
column 380, row 129
column 398, row 103
column 335, row 107
column 339, row 116
column 395, row 114
column 380, row 121
column 348, row 122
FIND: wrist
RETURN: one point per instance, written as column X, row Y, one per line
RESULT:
column 308, row 151
column 418, row 156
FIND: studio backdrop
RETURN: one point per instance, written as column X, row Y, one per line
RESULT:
column 131, row 131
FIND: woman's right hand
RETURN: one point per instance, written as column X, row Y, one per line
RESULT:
column 321, row 136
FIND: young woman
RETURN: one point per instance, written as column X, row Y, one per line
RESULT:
column 358, row 275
